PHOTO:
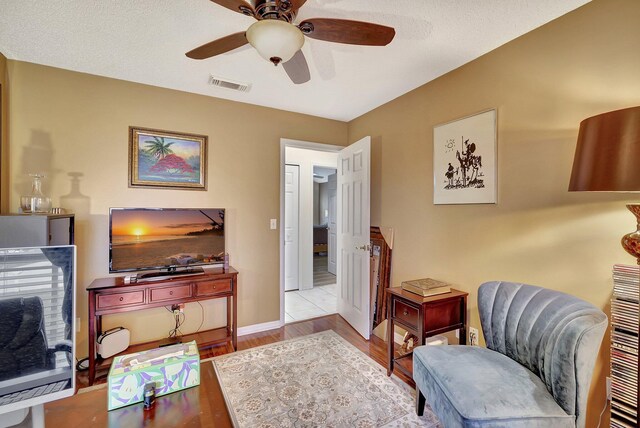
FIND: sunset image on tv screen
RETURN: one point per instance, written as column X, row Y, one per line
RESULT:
column 148, row 238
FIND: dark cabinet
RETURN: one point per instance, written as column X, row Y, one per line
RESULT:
column 36, row 230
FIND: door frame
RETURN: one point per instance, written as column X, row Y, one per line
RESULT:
column 284, row 143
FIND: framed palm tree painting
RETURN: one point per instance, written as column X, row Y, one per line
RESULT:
column 167, row 160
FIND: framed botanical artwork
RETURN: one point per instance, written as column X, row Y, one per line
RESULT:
column 464, row 160
column 167, row 160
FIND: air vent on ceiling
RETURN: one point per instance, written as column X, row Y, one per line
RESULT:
column 229, row 84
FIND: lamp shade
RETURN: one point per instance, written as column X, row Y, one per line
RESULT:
column 608, row 153
column 275, row 41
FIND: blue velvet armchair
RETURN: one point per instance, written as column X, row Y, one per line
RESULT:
column 534, row 372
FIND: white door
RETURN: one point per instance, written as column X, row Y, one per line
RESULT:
column 332, row 224
column 353, row 235
column 291, row 228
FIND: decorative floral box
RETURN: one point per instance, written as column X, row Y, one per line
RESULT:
column 172, row 368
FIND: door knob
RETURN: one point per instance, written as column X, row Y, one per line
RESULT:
column 365, row 247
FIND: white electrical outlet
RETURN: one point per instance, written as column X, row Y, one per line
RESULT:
column 608, row 388
column 473, row 336
column 273, row 223
column 78, row 325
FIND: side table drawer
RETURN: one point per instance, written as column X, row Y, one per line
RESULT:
column 405, row 313
column 170, row 293
column 210, row 288
column 443, row 315
column 116, row 300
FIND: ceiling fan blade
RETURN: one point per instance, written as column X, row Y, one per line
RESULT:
column 297, row 68
column 297, row 4
column 239, row 6
column 347, row 31
column 219, row 46
column 290, row 5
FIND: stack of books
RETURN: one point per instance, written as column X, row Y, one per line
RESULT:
column 624, row 346
column 426, row 287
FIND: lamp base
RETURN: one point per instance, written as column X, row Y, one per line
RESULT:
column 631, row 241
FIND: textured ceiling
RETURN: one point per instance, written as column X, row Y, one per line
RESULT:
column 145, row 41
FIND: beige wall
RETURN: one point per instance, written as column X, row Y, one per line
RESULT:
column 64, row 122
column 542, row 84
column 4, row 134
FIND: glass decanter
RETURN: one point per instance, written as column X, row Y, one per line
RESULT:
column 36, row 201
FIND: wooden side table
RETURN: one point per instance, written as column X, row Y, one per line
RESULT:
column 424, row 317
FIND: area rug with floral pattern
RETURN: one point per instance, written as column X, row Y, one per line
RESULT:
column 319, row 380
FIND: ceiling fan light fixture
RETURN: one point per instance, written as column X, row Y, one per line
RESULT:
column 276, row 41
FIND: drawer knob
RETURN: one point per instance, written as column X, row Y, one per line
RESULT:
column 170, row 293
column 405, row 312
column 214, row 287
column 121, row 299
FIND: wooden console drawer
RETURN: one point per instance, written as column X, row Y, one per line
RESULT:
column 405, row 313
column 208, row 288
column 115, row 300
column 170, row 293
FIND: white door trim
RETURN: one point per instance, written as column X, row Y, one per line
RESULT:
column 285, row 142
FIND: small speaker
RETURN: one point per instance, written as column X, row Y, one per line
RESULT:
column 113, row 342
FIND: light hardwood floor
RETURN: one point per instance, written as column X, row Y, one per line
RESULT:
column 375, row 348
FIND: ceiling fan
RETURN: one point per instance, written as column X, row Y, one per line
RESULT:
column 278, row 40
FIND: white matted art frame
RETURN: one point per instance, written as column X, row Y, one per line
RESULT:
column 465, row 167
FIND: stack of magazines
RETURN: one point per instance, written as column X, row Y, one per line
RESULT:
column 624, row 346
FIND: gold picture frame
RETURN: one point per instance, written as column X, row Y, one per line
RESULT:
column 167, row 160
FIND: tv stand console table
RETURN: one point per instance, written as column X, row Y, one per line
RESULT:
column 111, row 295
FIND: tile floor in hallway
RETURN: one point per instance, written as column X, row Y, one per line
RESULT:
column 301, row 305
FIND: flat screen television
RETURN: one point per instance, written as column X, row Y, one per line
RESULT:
column 165, row 238
column 37, row 334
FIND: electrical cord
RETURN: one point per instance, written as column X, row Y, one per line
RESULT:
column 175, row 332
column 82, row 364
column 606, row 403
column 201, row 317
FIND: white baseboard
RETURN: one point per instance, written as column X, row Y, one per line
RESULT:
column 257, row 328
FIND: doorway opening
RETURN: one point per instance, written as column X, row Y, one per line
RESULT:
column 347, row 248
column 321, row 299
column 309, row 222
column 325, row 187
